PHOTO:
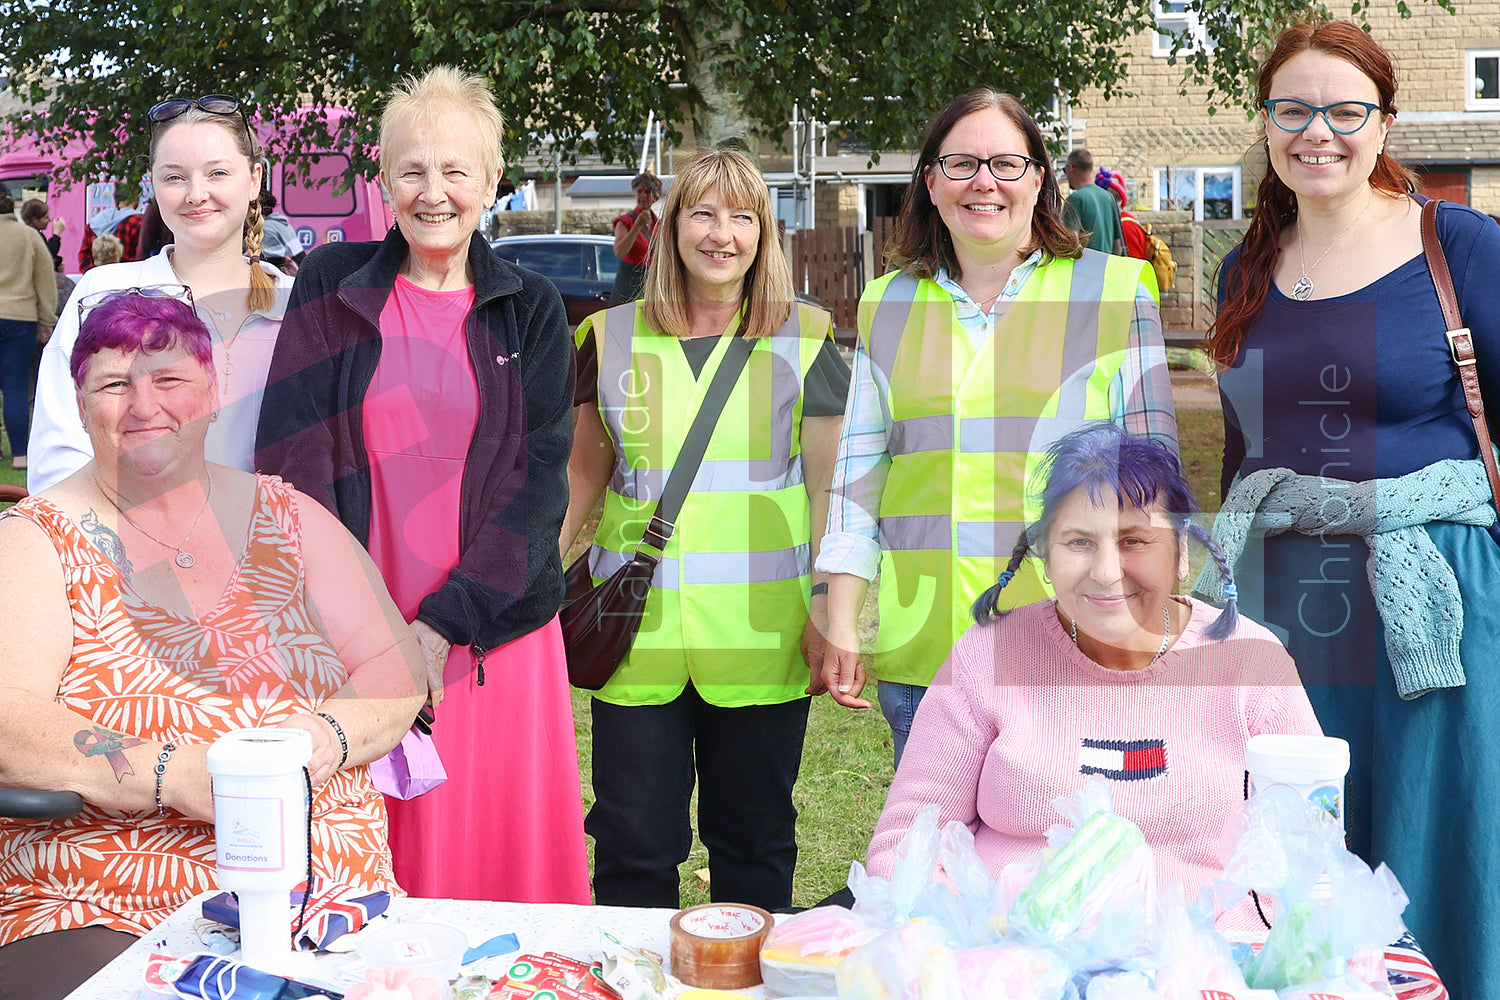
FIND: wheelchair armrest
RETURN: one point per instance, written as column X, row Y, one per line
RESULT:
column 25, row 803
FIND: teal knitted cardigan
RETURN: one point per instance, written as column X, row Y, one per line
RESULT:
column 1416, row 592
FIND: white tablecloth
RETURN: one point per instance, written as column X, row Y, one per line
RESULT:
column 569, row 930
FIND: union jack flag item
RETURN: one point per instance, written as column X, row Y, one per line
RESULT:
column 333, row 910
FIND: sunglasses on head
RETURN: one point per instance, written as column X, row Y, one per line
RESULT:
column 214, row 104
column 89, row 303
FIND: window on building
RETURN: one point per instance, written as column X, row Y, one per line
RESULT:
column 1483, row 79
column 1207, row 192
column 1173, row 21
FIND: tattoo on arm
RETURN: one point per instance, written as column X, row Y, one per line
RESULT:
column 101, row 742
column 106, row 541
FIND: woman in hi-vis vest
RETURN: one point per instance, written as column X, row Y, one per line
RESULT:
column 998, row 333
column 717, row 679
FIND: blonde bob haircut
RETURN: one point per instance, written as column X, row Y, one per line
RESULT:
column 435, row 95
column 768, row 284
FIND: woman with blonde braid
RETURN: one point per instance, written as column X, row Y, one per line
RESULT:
column 206, row 174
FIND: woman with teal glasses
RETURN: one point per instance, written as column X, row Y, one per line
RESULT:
column 1344, row 412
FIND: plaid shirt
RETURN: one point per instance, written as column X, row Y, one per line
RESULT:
column 1140, row 394
column 128, row 232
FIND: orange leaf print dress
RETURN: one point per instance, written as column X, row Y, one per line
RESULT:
column 254, row 660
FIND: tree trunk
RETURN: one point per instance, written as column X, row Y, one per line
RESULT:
column 718, row 113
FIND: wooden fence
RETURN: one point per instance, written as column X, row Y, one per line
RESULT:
column 829, row 264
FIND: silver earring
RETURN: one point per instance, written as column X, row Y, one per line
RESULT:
column 213, row 416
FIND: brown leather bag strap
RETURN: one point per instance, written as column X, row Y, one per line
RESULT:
column 1460, row 343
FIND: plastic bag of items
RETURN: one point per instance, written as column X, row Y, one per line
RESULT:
column 1331, row 915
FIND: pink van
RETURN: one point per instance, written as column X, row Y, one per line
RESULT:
column 319, row 213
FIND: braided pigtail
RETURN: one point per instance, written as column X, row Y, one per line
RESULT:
column 262, row 292
column 1230, row 616
column 987, row 607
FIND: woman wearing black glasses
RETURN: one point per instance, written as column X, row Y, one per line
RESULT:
column 206, row 174
column 998, row 334
column 1341, row 387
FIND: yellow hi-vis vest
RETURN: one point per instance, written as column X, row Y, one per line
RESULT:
column 729, row 599
column 966, row 429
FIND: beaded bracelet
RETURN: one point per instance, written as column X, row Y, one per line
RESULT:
column 338, row 731
column 161, row 770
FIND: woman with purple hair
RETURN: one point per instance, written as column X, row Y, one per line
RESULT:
column 155, row 601
column 1116, row 676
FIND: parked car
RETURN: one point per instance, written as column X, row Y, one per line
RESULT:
column 583, row 267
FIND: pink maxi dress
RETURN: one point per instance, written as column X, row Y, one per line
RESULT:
column 508, row 823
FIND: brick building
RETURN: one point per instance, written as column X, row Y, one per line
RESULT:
column 1179, row 156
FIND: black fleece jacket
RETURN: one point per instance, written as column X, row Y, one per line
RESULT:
column 508, row 580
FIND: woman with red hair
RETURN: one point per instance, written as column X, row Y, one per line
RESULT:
column 1345, row 413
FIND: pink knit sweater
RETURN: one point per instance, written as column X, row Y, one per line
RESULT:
column 1018, row 716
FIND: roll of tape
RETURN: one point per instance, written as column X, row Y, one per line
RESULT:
column 717, row 945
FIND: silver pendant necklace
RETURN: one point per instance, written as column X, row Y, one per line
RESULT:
column 1166, row 633
column 183, row 558
column 1303, row 289
column 219, row 319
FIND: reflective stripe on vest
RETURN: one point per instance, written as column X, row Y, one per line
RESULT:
column 729, row 597
column 966, row 429
column 713, row 567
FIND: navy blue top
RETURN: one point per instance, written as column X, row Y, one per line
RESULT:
column 1362, row 385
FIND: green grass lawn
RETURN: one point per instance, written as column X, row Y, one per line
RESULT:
column 8, row 473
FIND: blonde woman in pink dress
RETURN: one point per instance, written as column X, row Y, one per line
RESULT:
column 422, row 391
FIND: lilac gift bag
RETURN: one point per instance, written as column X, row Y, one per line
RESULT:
column 413, row 768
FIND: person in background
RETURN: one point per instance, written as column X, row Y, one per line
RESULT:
column 155, row 602
column 1345, row 413
column 65, row 287
column 422, row 391
column 1091, row 212
column 1136, row 244
column 34, row 213
column 107, row 250
column 123, row 221
column 716, row 683
column 970, row 362
column 205, row 170
column 634, row 232
column 1034, row 702
column 28, row 311
column 154, row 235
column 282, row 247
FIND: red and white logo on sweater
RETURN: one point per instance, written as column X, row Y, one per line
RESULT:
column 1123, row 760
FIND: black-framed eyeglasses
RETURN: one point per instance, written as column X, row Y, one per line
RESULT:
column 214, row 104
column 182, row 293
column 1292, row 115
column 1003, row 166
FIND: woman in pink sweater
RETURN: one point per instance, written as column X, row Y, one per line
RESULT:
column 1115, row 677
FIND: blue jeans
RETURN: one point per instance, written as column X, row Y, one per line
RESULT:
column 898, row 703
column 17, row 344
